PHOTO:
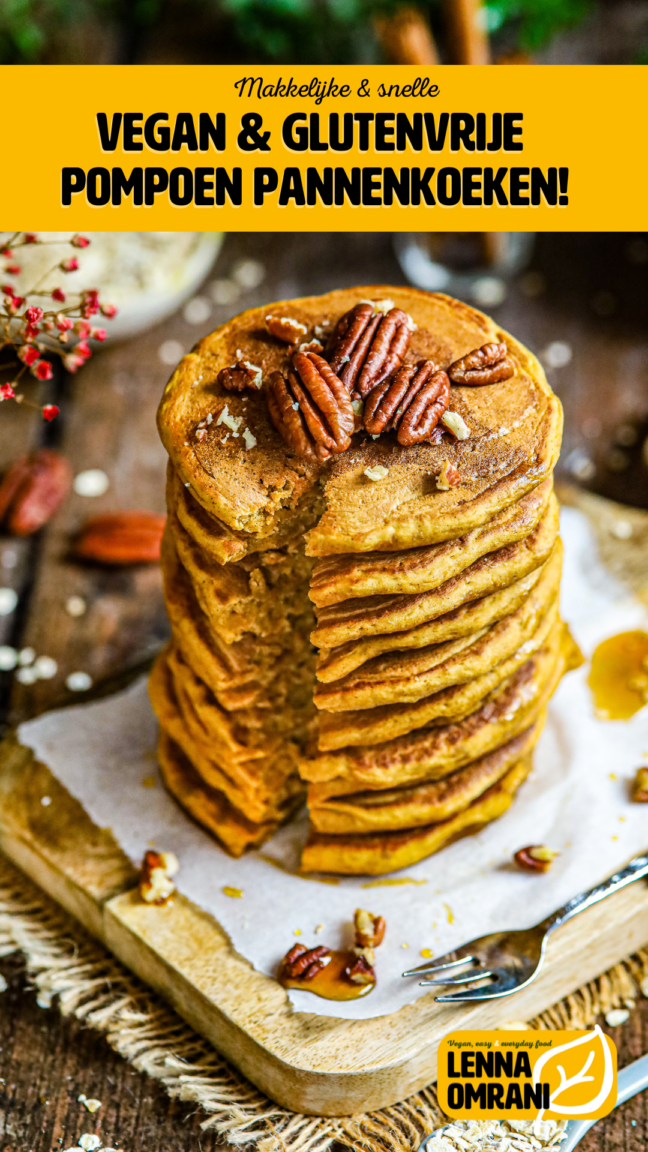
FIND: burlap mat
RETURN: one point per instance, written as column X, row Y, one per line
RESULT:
column 63, row 962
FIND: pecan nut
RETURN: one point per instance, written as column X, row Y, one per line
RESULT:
column 640, row 786
column 486, row 365
column 32, row 491
column 369, row 930
column 311, row 408
column 413, row 402
column 303, row 963
column 240, row 375
column 155, row 883
column 535, row 858
column 367, row 346
column 286, row 329
column 121, row 538
column 360, row 972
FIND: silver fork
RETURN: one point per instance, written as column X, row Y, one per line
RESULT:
column 503, row 962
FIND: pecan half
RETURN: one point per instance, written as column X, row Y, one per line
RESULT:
column 240, row 375
column 413, row 402
column 311, row 408
column 32, row 491
column 285, row 328
column 121, row 538
column 448, row 477
column 366, row 346
column 303, row 963
column 535, row 858
column 486, row 365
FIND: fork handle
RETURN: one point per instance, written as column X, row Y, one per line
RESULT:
column 635, row 870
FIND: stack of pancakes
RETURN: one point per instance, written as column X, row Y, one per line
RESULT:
column 437, row 626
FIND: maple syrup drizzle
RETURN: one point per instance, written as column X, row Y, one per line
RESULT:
column 618, row 676
column 330, row 982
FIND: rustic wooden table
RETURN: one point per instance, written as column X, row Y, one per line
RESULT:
column 581, row 306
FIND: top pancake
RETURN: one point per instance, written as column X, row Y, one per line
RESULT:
column 515, row 429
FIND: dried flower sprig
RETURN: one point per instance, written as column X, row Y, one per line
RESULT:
column 34, row 331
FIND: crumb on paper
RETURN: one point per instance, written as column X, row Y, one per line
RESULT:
column 404, row 945
column 297, row 932
column 449, row 914
column 235, row 893
column 91, row 1105
column 318, row 929
column 156, row 884
column 93, row 482
column 376, row 472
column 427, row 953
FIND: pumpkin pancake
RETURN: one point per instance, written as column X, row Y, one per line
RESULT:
column 409, row 676
column 340, row 578
column 435, row 752
column 254, row 769
column 207, row 806
column 375, row 725
column 374, row 615
column 269, row 673
column 222, row 544
column 515, row 429
column 421, row 804
column 377, row 853
column 334, row 663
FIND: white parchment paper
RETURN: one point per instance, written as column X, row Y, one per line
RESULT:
column 576, row 800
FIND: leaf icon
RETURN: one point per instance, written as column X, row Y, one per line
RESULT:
column 592, row 1044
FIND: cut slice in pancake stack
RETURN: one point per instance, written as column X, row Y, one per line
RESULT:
column 423, row 560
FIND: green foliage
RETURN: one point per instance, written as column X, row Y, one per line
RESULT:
column 536, row 21
column 29, row 28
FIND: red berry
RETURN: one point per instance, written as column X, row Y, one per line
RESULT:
column 7, row 289
column 13, row 269
column 70, row 265
column 98, row 334
column 78, row 241
column 28, row 354
column 42, row 370
column 50, row 411
column 108, row 310
column 57, row 294
column 6, row 392
column 30, row 238
column 33, row 314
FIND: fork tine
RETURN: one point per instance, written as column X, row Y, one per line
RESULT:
column 425, row 969
column 463, row 978
column 493, row 992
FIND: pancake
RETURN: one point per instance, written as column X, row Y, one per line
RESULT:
column 258, row 594
column 418, row 805
column 378, row 853
column 406, row 677
column 254, row 769
column 334, row 663
column 340, row 578
column 222, row 544
column 374, row 615
column 515, row 429
column 435, row 752
column 375, row 725
column 270, row 673
column 207, row 806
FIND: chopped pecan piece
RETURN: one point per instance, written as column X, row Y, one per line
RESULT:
column 121, row 538
column 368, row 346
column 311, row 408
column 303, row 963
column 640, row 786
column 413, row 402
column 286, row 329
column 156, row 885
column 369, row 929
column 360, row 972
column 486, row 365
column 240, row 375
column 535, row 858
column 448, row 477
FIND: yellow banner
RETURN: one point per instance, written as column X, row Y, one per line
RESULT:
column 302, row 148
column 527, row 1075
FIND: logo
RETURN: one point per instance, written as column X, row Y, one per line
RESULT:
column 527, row 1075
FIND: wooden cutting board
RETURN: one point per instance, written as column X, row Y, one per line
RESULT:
column 309, row 1063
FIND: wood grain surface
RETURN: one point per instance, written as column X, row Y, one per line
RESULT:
column 588, row 291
